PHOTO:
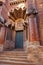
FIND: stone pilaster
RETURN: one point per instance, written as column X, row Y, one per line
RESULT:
column 34, row 38
column 2, row 38
column 24, row 38
column 33, row 30
column 13, row 37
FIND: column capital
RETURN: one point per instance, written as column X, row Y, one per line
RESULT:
column 31, row 10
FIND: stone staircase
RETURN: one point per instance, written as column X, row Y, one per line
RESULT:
column 13, row 58
column 16, row 57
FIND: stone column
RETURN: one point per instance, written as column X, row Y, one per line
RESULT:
column 2, row 38
column 8, row 39
column 36, row 29
column 24, row 36
column 34, row 38
column 33, row 30
column 13, row 37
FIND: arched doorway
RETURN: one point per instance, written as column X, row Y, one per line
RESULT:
column 18, row 16
column 19, row 33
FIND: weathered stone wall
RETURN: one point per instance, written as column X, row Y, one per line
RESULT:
column 39, row 4
column 9, row 39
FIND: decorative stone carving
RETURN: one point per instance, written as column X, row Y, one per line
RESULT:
column 31, row 10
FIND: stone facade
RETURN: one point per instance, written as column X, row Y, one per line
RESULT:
column 35, row 33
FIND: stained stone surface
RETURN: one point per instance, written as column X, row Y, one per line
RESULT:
column 35, row 54
column 9, row 45
column 1, row 47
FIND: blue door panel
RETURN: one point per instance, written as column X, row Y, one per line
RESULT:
column 19, row 39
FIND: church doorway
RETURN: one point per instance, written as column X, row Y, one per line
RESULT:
column 19, row 39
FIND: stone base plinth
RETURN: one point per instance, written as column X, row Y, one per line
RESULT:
column 9, row 45
column 34, row 43
column 26, row 45
column 1, row 47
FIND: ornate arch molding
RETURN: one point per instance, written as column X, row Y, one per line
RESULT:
column 16, row 14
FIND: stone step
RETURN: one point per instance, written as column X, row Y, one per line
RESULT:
column 13, row 59
column 12, row 54
column 15, row 53
column 10, row 58
column 16, row 62
column 22, row 57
